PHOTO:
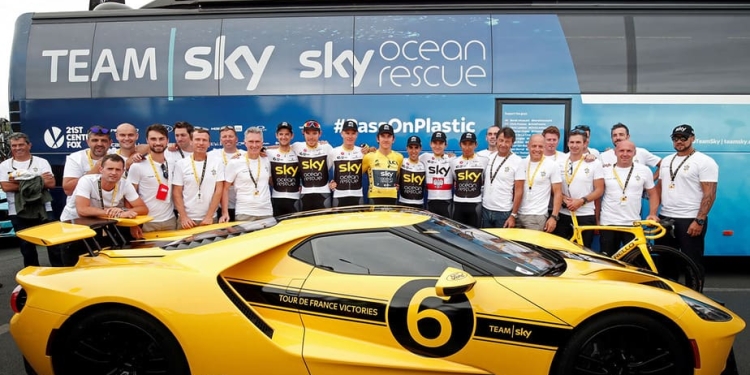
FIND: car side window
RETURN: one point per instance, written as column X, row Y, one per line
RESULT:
column 377, row 253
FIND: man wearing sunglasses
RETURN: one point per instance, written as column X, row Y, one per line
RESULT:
column 228, row 151
column 151, row 179
column 313, row 167
column 86, row 161
column 688, row 190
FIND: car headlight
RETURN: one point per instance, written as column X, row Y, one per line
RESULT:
column 706, row 311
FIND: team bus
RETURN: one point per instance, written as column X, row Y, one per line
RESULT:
column 453, row 66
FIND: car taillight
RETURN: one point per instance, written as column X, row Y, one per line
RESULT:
column 18, row 299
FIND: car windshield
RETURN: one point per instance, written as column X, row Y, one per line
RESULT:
column 515, row 257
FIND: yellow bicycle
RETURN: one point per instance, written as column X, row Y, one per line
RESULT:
column 641, row 253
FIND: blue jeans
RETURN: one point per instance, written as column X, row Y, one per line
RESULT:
column 494, row 219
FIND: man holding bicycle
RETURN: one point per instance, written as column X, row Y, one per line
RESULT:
column 624, row 183
column 688, row 190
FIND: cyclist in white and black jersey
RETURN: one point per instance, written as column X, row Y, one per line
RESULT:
column 438, row 177
column 411, row 180
column 284, row 172
column 468, row 174
column 313, row 167
column 346, row 162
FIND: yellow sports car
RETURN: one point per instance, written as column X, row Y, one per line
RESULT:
column 361, row 290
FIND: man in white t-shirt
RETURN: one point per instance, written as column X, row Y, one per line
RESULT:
column 588, row 150
column 251, row 175
column 86, row 161
column 619, row 133
column 104, row 195
column 23, row 163
column 151, row 179
column 198, row 184
column 499, row 181
column 582, row 185
column 491, row 138
column 688, row 191
column 624, row 184
column 227, row 152
column 183, row 146
column 537, row 179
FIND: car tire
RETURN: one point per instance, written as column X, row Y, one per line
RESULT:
column 118, row 341
column 624, row 343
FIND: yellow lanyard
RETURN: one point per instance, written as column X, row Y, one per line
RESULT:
column 224, row 156
column 530, row 180
column 156, row 174
column 114, row 193
column 569, row 178
column 627, row 180
column 91, row 162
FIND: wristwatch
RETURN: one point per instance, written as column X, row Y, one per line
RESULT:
column 514, row 215
column 556, row 217
column 700, row 222
column 585, row 200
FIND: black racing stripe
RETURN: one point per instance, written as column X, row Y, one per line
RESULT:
column 338, row 306
column 245, row 309
column 526, row 333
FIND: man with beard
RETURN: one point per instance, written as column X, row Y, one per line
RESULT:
column 537, row 179
column 688, row 190
column 620, row 132
column 183, row 147
column 86, row 162
column 198, row 184
column 151, row 179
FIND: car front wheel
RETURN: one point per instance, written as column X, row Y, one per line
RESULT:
column 624, row 343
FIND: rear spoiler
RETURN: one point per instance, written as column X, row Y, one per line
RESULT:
column 81, row 229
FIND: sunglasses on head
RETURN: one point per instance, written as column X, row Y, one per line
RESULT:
column 680, row 138
column 98, row 130
column 582, row 127
column 578, row 131
column 165, row 170
column 312, row 124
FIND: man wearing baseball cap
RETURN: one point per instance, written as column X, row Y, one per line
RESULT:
column 346, row 161
column 468, row 174
column 313, row 167
column 284, row 172
column 438, row 176
column 411, row 180
column 382, row 168
column 688, row 190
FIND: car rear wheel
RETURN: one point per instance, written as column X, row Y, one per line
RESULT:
column 121, row 341
column 624, row 343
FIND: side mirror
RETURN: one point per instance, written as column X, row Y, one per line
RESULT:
column 454, row 282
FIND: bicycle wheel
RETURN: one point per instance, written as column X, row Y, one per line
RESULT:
column 672, row 264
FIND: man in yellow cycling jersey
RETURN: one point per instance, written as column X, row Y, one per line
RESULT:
column 382, row 168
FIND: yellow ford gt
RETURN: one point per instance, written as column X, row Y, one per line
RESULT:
column 363, row 290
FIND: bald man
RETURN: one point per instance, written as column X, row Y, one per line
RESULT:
column 537, row 178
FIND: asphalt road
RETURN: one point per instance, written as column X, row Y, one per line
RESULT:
column 728, row 281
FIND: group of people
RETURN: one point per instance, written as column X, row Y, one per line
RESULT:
column 183, row 185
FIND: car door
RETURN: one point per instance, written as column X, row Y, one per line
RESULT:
column 371, row 306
